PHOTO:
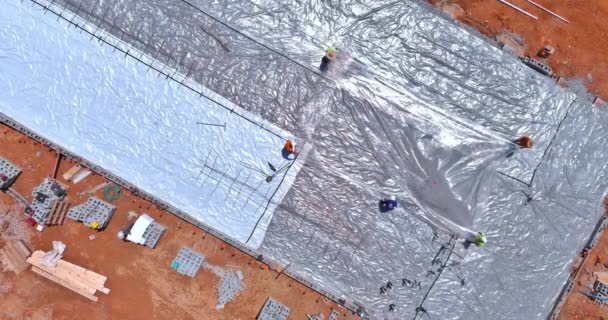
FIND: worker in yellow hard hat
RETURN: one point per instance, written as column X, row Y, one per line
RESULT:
column 330, row 55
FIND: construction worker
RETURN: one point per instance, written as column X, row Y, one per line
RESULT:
column 288, row 150
column 479, row 240
column 524, row 142
column 388, row 204
column 330, row 56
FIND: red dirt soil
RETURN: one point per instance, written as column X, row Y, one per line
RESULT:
column 578, row 306
column 580, row 46
column 141, row 282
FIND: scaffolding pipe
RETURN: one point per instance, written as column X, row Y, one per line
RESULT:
column 518, row 9
column 549, row 11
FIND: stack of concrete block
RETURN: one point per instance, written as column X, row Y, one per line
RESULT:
column 188, row 262
column 8, row 174
column 153, row 234
column 231, row 284
column 95, row 213
column 601, row 290
column 45, row 195
column 334, row 315
column 273, row 310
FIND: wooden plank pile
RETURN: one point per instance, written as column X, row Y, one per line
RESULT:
column 601, row 277
column 13, row 255
column 59, row 210
column 80, row 280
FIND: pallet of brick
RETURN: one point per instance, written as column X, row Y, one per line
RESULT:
column 14, row 255
column 80, row 280
column 59, row 210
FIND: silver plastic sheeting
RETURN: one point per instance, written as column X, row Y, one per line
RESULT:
column 186, row 150
column 415, row 107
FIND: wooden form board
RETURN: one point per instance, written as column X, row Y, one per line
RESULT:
column 14, row 255
column 71, row 172
column 80, row 280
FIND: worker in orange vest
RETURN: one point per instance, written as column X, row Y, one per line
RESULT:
column 524, row 142
column 288, row 150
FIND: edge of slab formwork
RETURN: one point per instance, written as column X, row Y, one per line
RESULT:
column 352, row 306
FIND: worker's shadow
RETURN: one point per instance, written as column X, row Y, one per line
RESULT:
column 382, row 208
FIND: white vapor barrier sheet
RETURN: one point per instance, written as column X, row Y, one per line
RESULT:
column 416, row 107
column 115, row 113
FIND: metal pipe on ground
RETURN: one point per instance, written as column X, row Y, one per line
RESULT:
column 549, row 11
column 518, row 9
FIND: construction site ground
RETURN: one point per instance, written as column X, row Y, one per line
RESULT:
column 142, row 283
column 580, row 46
column 580, row 54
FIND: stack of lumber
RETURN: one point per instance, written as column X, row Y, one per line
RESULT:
column 13, row 255
column 601, row 277
column 71, row 276
column 59, row 210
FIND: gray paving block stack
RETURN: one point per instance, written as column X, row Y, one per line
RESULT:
column 273, row 310
column 188, row 262
column 44, row 196
column 601, row 290
column 230, row 286
column 152, row 234
column 8, row 173
column 93, row 211
column 334, row 315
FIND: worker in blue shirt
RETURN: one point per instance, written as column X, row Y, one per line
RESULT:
column 388, row 204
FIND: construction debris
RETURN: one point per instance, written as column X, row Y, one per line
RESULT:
column 144, row 231
column 8, row 174
column 73, row 277
column 45, row 195
column 58, row 212
column 231, row 285
column 188, row 262
column 95, row 213
column 13, row 256
column 273, row 310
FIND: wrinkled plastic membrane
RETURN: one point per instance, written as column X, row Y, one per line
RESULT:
column 415, row 107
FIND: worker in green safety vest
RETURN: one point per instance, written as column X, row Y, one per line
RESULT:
column 479, row 240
